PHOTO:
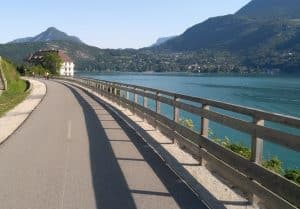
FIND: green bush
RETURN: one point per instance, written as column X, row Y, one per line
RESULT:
column 239, row 149
column 293, row 175
column 52, row 62
column 36, row 69
column 236, row 148
column 186, row 123
column 274, row 164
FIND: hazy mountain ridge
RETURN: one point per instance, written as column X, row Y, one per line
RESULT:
column 51, row 34
column 162, row 40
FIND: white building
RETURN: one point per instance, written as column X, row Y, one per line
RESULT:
column 67, row 67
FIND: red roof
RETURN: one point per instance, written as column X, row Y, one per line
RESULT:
column 38, row 56
column 64, row 57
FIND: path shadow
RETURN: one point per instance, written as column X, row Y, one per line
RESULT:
column 105, row 168
column 110, row 187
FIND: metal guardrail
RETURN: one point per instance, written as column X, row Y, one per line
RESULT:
column 272, row 189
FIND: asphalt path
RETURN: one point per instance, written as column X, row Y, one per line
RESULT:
column 74, row 153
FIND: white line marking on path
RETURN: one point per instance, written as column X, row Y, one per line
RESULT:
column 69, row 131
column 65, row 177
column 69, row 134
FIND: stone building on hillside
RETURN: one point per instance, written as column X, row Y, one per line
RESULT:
column 67, row 67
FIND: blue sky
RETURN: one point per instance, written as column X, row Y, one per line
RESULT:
column 109, row 23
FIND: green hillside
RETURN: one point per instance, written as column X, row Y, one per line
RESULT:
column 238, row 34
column 271, row 9
column 265, row 34
column 51, row 34
column 258, row 25
column 79, row 52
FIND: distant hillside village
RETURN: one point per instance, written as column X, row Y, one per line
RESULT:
column 67, row 64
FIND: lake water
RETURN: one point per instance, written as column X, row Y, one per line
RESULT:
column 274, row 94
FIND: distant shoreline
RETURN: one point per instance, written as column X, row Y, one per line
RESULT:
column 190, row 74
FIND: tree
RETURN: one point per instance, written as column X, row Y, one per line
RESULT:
column 21, row 69
column 52, row 62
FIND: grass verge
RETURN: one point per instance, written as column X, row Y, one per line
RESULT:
column 16, row 91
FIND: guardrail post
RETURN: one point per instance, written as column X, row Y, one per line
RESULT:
column 97, row 87
column 105, row 90
column 120, row 96
column 111, row 93
column 93, row 86
column 101, row 89
column 145, row 104
column 116, row 94
column 108, row 90
column 157, row 106
column 175, row 110
column 175, row 115
column 131, row 107
column 256, row 154
column 135, row 101
column 204, row 131
column 127, row 95
column 204, row 123
column 257, row 144
column 145, row 100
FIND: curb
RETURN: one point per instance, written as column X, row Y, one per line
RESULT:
column 2, row 141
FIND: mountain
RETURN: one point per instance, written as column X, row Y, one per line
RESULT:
column 22, row 40
column 162, row 40
column 236, row 34
column 263, row 34
column 271, row 9
column 79, row 52
column 256, row 24
column 215, row 33
column 51, row 34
